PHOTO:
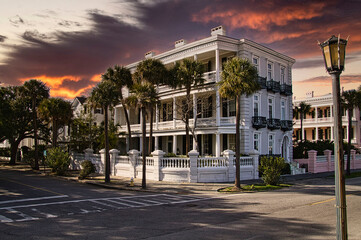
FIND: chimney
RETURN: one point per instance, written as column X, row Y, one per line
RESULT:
column 149, row 54
column 220, row 30
column 180, row 43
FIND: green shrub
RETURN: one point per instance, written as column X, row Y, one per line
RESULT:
column 87, row 169
column 170, row 154
column 271, row 169
column 58, row 160
column 5, row 152
column 286, row 169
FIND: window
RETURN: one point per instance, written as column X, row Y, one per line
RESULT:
column 256, row 105
column 232, row 142
column 167, row 111
column 269, row 71
column 270, row 144
column 270, row 108
column 98, row 111
column 205, row 107
column 255, row 62
column 283, row 110
column 282, row 75
column 256, row 140
column 228, row 107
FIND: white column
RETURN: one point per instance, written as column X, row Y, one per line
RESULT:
column 316, row 115
column 194, row 117
column 316, row 133
column 116, row 112
column 331, row 112
column 218, row 109
column 195, row 57
column 331, row 134
column 218, row 145
column 156, row 143
column 217, row 65
column 175, row 144
column 156, row 117
column 174, row 113
column 347, row 136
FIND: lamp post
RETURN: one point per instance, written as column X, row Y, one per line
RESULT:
column 333, row 51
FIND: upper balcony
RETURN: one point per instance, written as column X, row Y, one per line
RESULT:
column 262, row 81
column 286, row 125
column 286, row 89
column 259, row 122
column 273, row 123
column 273, row 86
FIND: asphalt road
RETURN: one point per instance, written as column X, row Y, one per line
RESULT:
column 40, row 207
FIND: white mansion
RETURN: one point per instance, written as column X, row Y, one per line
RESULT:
column 266, row 117
column 318, row 124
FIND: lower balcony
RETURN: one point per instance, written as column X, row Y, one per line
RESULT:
column 273, row 123
column 259, row 122
column 286, row 89
column 286, row 125
column 273, row 86
column 262, row 81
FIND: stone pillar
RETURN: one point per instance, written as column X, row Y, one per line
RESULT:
column 113, row 158
column 157, row 156
column 218, row 145
column 102, row 161
column 312, row 156
column 193, row 166
column 175, row 144
column 328, row 153
column 133, row 156
column 194, row 117
column 255, row 155
column 229, row 155
column 88, row 155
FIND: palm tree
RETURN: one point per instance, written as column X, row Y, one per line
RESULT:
column 188, row 73
column 350, row 99
column 58, row 112
column 302, row 109
column 122, row 77
column 239, row 77
column 36, row 91
column 105, row 95
column 143, row 96
column 154, row 72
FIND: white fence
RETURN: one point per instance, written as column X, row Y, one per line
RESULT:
column 160, row 168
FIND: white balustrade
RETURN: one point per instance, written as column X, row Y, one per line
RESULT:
column 175, row 163
column 215, row 162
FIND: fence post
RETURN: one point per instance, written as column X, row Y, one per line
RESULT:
column 113, row 158
column 193, row 166
column 312, row 157
column 229, row 155
column 157, row 157
column 353, row 158
column 133, row 156
column 102, row 161
column 328, row 153
column 255, row 155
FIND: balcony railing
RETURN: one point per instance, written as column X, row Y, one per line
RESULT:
column 273, row 123
column 210, row 76
column 286, row 125
column 273, row 86
column 259, row 122
column 286, row 89
column 262, row 82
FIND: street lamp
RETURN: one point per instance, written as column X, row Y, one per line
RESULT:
column 333, row 51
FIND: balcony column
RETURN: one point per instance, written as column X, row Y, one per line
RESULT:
column 331, row 137
column 331, row 112
column 174, row 113
column 195, row 57
column 175, row 144
column 194, row 116
column 116, row 113
column 218, row 145
column 316, row 133
column 156, row 118
column 347, row 135
column 218, row 109
column 156, row 143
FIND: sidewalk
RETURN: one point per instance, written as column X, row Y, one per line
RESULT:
column 123, row 183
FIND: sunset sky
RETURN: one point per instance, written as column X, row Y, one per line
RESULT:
column 68, row 44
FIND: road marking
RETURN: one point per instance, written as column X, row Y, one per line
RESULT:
column 121, row 203
column 37, row 188
column 325, row 201
column 47, row 215
column 4, row 219
column 32, row 199
column 24, row 216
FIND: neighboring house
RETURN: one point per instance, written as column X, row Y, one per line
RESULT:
column 80, row 107
column 319, row 125
column 266, row 117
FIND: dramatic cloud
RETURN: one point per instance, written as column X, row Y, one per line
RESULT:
column 71, row 58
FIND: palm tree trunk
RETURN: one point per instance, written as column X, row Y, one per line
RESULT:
column 238, row 118
column 187, row 119
column 107, row 157
column 36, row 159
column 128, row 127
column 13, row 150
column 150, row 145
column 348, row 169
column 144, row 142
column 302, row 127
column 55, row 134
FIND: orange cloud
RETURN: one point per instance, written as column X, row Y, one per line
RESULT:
column 260, row 19
column 68, row 93
column 96, row 78
column 53, row 82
